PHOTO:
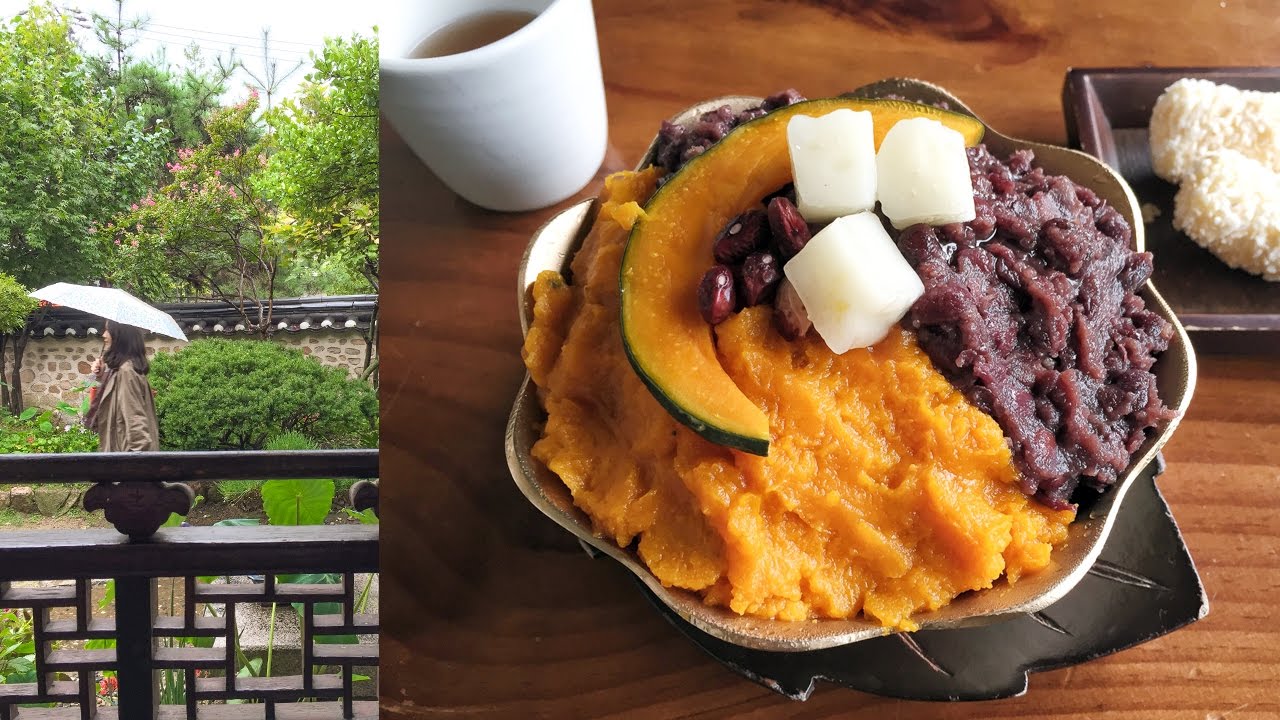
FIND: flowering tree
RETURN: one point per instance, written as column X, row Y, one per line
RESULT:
column 205, row 234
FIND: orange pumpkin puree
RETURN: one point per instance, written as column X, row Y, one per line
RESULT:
column 884, row 492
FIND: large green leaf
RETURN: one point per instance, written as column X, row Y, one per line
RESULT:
column 324, row 608
column 297, row 502
column 237, row 522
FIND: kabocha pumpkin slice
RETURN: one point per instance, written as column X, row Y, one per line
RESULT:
column 669, row 344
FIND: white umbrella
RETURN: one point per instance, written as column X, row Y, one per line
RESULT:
column 113, row 304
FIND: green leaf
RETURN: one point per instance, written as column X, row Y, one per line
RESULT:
column 332, row 608
column 237, row 522
column 324, row 608
column 28, row 414
column 108, row 596
column 366, row 516
column 297, row 502
column 311, row 578
column 22, row 670
column 200, row 642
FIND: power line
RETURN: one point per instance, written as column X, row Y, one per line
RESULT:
column 233, row 35
column 169, row 45
column 221, row 44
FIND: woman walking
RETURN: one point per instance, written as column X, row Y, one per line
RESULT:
column 123, row 410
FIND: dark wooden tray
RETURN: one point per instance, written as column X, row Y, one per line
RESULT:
column 1107, row 113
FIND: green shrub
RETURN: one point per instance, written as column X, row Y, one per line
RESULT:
column 238, row 394
column 37, row 431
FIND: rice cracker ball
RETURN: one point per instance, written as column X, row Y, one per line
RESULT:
column 1230, row 205
column 1222, row 146
column 1195, row 117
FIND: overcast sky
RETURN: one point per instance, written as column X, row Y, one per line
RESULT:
column 218, row 26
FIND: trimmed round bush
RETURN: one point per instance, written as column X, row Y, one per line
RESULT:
column 238, row 394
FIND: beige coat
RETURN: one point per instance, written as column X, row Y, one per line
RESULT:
column 126, row 419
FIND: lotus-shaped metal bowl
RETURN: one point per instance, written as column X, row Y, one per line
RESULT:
column 552, row 247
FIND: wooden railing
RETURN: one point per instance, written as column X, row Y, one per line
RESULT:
column 137, row 493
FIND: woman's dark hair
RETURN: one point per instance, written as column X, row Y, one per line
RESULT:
column 127, row 344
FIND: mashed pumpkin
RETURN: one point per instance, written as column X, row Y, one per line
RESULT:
column 884, row 492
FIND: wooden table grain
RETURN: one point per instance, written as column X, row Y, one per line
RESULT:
column 490, row 610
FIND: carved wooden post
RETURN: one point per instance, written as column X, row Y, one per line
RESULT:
column 138, row 509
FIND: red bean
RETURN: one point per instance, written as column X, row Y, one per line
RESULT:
column 758, row 278
column 717, row 295
column 790, row 231
column 743, row 235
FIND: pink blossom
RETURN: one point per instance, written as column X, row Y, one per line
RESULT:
column 232, row 192
column 139, row 229
column 217, row 173
column 236, row 153
column 134, row 242
column 149, row 201
column 93, row 230
column 134, row 207
column 117, row 241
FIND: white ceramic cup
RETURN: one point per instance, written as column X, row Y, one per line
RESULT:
column 517, row 124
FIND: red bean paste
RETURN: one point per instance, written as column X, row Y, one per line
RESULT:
column 1030, row 310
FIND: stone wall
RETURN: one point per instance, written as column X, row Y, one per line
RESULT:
column 53, row 367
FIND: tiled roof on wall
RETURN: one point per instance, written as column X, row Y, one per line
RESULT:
column 340, row 313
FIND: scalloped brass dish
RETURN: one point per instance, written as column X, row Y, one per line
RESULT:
column 553, row 246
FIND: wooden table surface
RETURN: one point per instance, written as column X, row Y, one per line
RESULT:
column 490, row 610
